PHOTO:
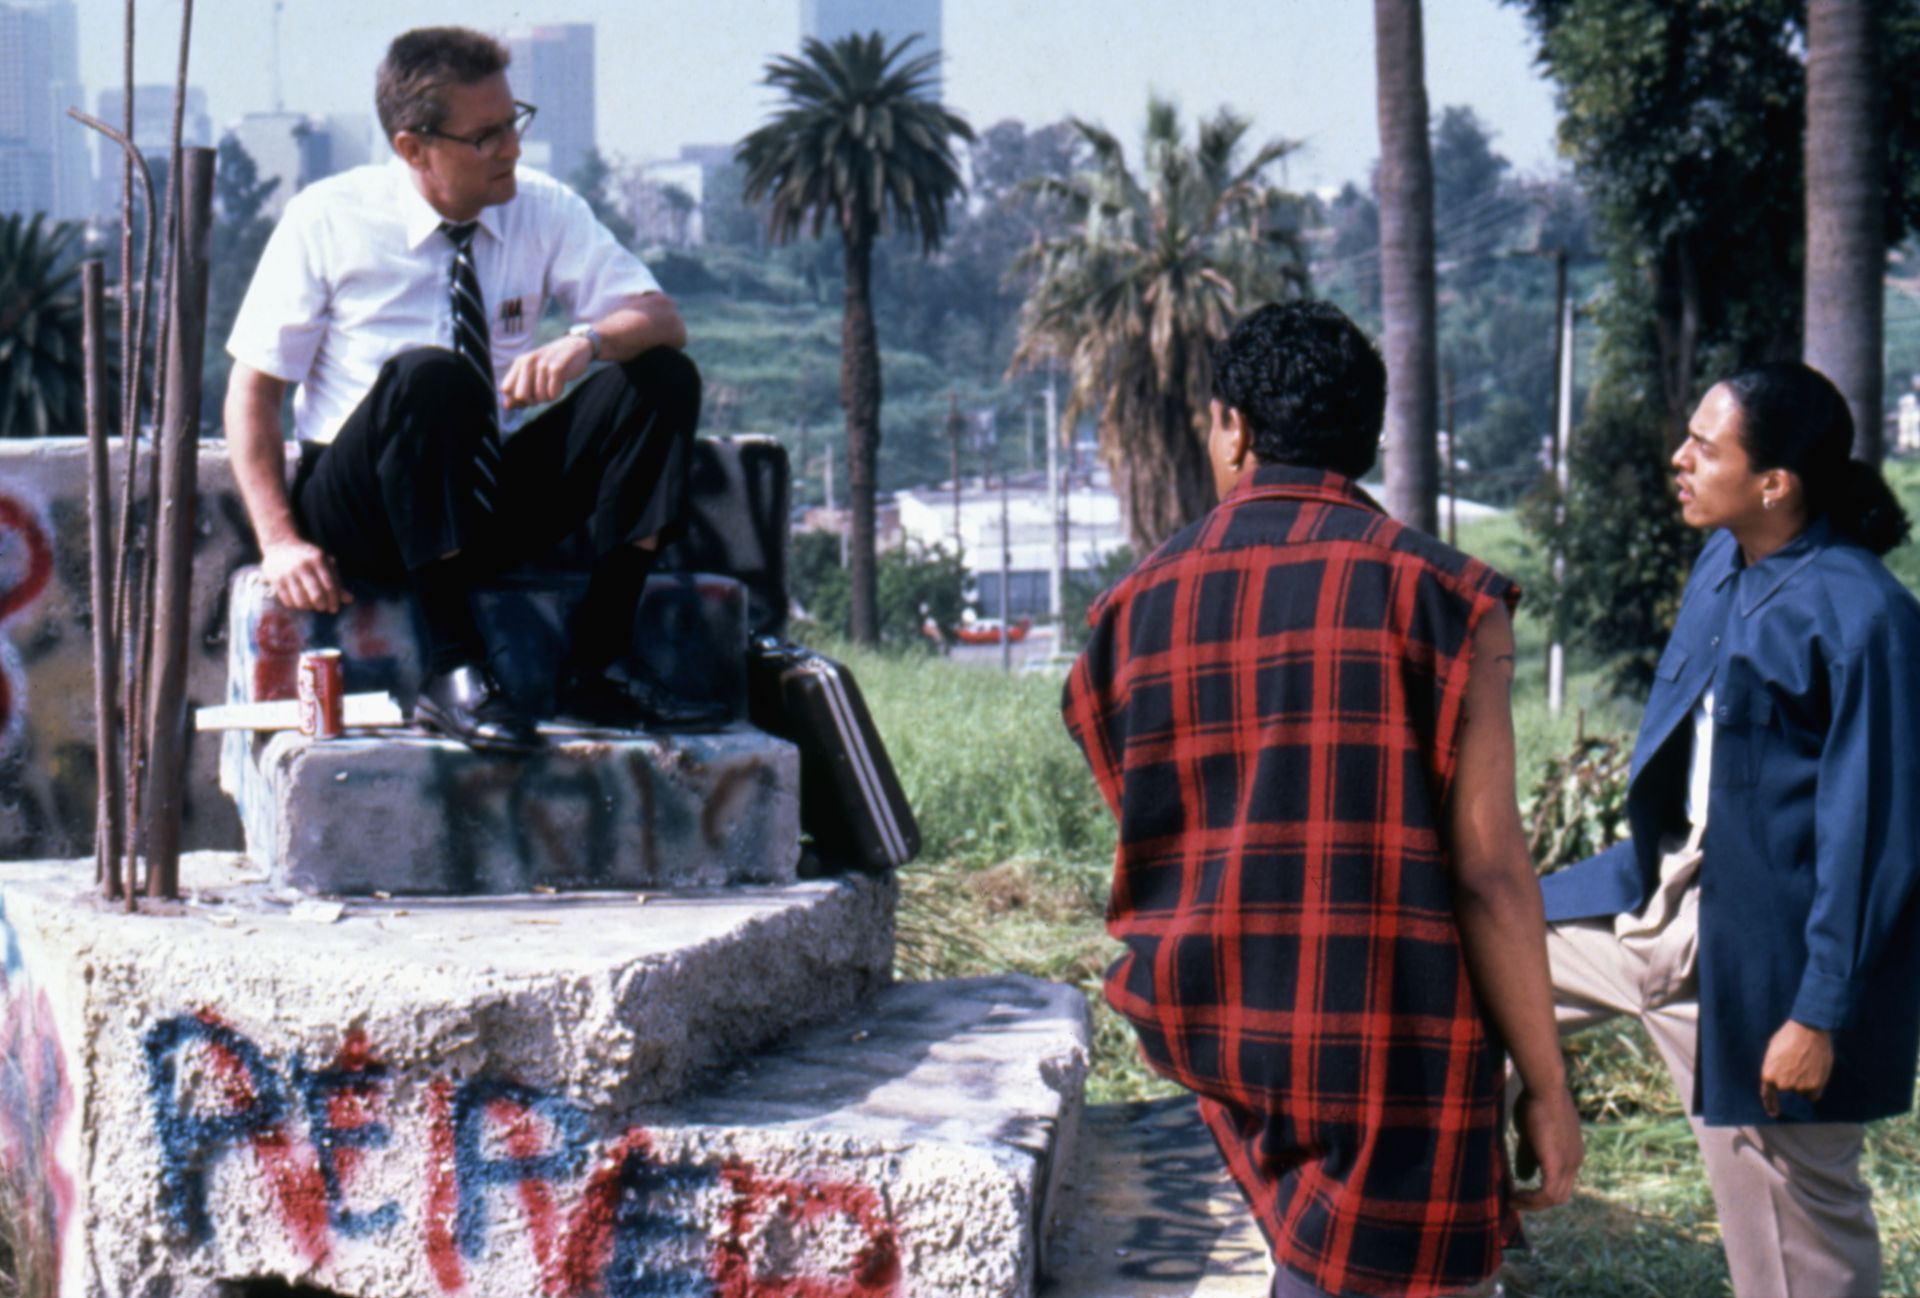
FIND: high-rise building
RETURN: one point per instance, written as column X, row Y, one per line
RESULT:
column 895, row 20
column 292, row 148
column 152, row 134
column 552, row 69
column 43, row 156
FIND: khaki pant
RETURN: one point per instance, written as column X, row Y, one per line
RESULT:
column 1795, row 1217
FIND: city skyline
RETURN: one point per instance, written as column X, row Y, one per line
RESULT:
column 1300, row 68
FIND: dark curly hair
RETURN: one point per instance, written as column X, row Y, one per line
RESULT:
column 1311, row 388
column 1792, row 417
column 421, row 65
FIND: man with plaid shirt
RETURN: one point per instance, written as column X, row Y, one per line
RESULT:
column 1298, row 711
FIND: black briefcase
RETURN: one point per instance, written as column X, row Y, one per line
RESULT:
column 851, row 803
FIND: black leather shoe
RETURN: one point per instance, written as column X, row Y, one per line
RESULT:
column 468, row 704
column 633, row 703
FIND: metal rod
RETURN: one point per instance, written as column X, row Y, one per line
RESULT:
column 133, row 325
column 1563, row 482
column 106, row 674
column 179, row 452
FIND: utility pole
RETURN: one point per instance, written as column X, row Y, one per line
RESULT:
column 1562, row 477
column 1057, row 498
column 1453, row 458
column 1006, row 580
column 956, row 427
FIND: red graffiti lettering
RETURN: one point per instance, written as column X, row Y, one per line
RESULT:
column 299, row 1192
column 21, row 582
column 589, row 1244
column 277, row 642
column 443, row 1189
column 760, row 1205
column 23, row 586
column 355, row 1107
column 524, row 1139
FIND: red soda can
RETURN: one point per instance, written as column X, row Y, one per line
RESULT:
column 322, row 689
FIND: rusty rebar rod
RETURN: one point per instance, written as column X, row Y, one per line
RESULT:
column 173, row 525
column 106, row 670
column 133, row 349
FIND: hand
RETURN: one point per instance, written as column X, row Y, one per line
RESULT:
column 1550, row 1142
column 303, row 577
column 1799, row 1061
column 543, row 373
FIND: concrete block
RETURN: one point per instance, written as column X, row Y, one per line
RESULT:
column 407, row 814
column 424, row 1099
column 954, row 1104
column 736, row 517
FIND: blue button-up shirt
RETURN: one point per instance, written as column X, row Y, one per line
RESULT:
column 1809, row 905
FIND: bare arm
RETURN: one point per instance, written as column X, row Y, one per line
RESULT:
column 1502, row 929
column 301, row 573
column 644, row 323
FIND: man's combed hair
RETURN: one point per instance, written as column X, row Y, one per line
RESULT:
column 1311, row 387
column 420, row 66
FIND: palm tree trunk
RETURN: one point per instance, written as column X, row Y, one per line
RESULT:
column 1406, row 265
column 860, row 396
column 1846, row 206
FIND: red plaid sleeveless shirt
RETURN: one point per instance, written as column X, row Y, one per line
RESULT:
column 1270, row 704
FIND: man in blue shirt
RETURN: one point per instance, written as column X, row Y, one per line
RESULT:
column 1762, row 921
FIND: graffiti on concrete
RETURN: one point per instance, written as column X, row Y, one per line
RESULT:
column 46, row 650
column 1177, row 1218
column 26, row 566
column 508, row 1166
column 36, row 1103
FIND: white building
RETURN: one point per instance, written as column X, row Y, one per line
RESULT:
column 1094, row 530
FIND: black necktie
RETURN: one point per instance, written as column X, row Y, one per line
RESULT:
column 473, row 344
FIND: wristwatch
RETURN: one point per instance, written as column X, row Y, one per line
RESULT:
column 591, row 334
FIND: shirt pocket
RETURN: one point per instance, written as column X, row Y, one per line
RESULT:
column 1743, row 715
column 1672, row 663
column 514, row 318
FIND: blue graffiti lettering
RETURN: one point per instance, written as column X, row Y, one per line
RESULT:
column 479, row 1173
column 640, row 1227
column 191, row 1141
column 317, row 1090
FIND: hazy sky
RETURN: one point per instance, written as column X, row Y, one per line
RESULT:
column 687, row 73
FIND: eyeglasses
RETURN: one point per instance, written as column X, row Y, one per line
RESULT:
column 492, row 141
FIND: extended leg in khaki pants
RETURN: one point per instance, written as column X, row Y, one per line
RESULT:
column 1796, row 1218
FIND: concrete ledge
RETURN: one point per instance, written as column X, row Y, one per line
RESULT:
column 955, row 1103
column 388, row 1099
column 412, row 815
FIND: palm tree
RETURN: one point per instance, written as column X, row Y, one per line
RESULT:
column 1411, row 342
column 41, row 378
column 1156, row 270
column 1846, row 209
column 860, row 142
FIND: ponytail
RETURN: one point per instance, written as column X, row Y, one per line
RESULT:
column 1792, row 417
column 1859, row 506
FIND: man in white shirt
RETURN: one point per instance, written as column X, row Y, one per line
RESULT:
column 400, row 303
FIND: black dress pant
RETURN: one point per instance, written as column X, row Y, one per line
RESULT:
column 394, row 491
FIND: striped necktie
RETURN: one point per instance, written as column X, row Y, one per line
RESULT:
column 473, row 344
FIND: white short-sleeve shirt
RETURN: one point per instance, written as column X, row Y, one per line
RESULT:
column 357, row 272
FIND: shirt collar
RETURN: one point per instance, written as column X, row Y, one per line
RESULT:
column 1759, row 581
column 421, row 221
column 1289, row 482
